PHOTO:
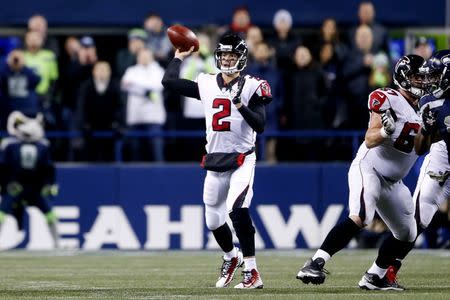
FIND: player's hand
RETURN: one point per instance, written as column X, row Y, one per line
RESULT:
column 182, row 55
column 388, row 124
column 428, row 120
column 237, row 93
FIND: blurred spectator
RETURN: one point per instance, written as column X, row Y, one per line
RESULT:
column 423, row 47
column 38, row 23
column 99, row 109
column 127, row 57
column 72, row 47
column 240, row 22
column 145, row 108
column 157, row 40
column 304, row 104
column 44, row 62
column 356, row 71
column 77, row 71
column 193, row 111
column 380, row 38
column 263, row 68
column 380, row 75
column 283, row 40
column 254, row 37
column 17, row 87
column 329, row 34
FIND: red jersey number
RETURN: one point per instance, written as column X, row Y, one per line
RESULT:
column 405, row 141
column 217, row 123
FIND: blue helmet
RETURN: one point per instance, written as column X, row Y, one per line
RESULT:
column 438, row 72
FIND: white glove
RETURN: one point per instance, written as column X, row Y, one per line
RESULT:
column 388, row 124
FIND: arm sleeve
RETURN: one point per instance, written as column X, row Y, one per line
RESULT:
column 172, row 81
column 254, row 114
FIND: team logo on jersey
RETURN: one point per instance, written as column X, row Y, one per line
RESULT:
column 376, row 100
column 265, row 89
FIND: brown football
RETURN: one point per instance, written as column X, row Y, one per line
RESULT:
column 182, row 38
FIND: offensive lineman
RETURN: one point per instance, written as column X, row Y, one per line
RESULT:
column 375, row 177
column 433, row 186
column 234, row 113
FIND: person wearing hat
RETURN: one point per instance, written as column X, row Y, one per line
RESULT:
column 423, row 48
column 127, row 57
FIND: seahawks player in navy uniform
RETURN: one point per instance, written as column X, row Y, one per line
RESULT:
column 27, row 171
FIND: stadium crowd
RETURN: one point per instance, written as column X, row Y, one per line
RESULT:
column 319, row 80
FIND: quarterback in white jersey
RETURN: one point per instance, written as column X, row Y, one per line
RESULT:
column 234, row 114
column 375, row 177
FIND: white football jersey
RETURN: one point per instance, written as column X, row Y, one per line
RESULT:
column 226, row 129
column 395, row 156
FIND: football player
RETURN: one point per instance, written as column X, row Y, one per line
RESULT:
column 27, row 171
column 375, row 176
column 432, row 187
column 234, row 114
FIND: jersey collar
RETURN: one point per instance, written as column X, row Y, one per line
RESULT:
column 222, row 83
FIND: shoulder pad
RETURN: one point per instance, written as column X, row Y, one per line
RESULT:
column 377, row 101
column 429, row 98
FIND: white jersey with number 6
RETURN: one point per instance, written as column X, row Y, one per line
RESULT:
column 375, row 175
column 395, row 156
column 226, row 129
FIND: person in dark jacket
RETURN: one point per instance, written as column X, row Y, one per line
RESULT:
column 304, row 105
column 99, row 109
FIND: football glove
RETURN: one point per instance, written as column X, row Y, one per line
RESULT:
column 428, row 121
column 237, row 93
column 388, row 124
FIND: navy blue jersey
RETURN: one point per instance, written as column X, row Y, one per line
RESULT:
column 18, row 90
column 441, row 108
column 28, row 163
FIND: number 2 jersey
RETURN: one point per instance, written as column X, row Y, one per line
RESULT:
column 226, row 129
column 395, row 156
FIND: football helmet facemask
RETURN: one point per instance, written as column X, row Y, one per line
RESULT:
column 410, row 75
column 231, row 43
column 438, row 73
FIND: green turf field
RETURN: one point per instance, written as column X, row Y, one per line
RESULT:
column 156, row 275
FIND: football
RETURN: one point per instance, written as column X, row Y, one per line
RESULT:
column 182, row 38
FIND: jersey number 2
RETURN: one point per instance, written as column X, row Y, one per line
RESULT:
column 405, row 141
column 217, row 123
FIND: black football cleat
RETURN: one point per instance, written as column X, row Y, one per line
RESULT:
column 313, row 271
column 374, row 282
